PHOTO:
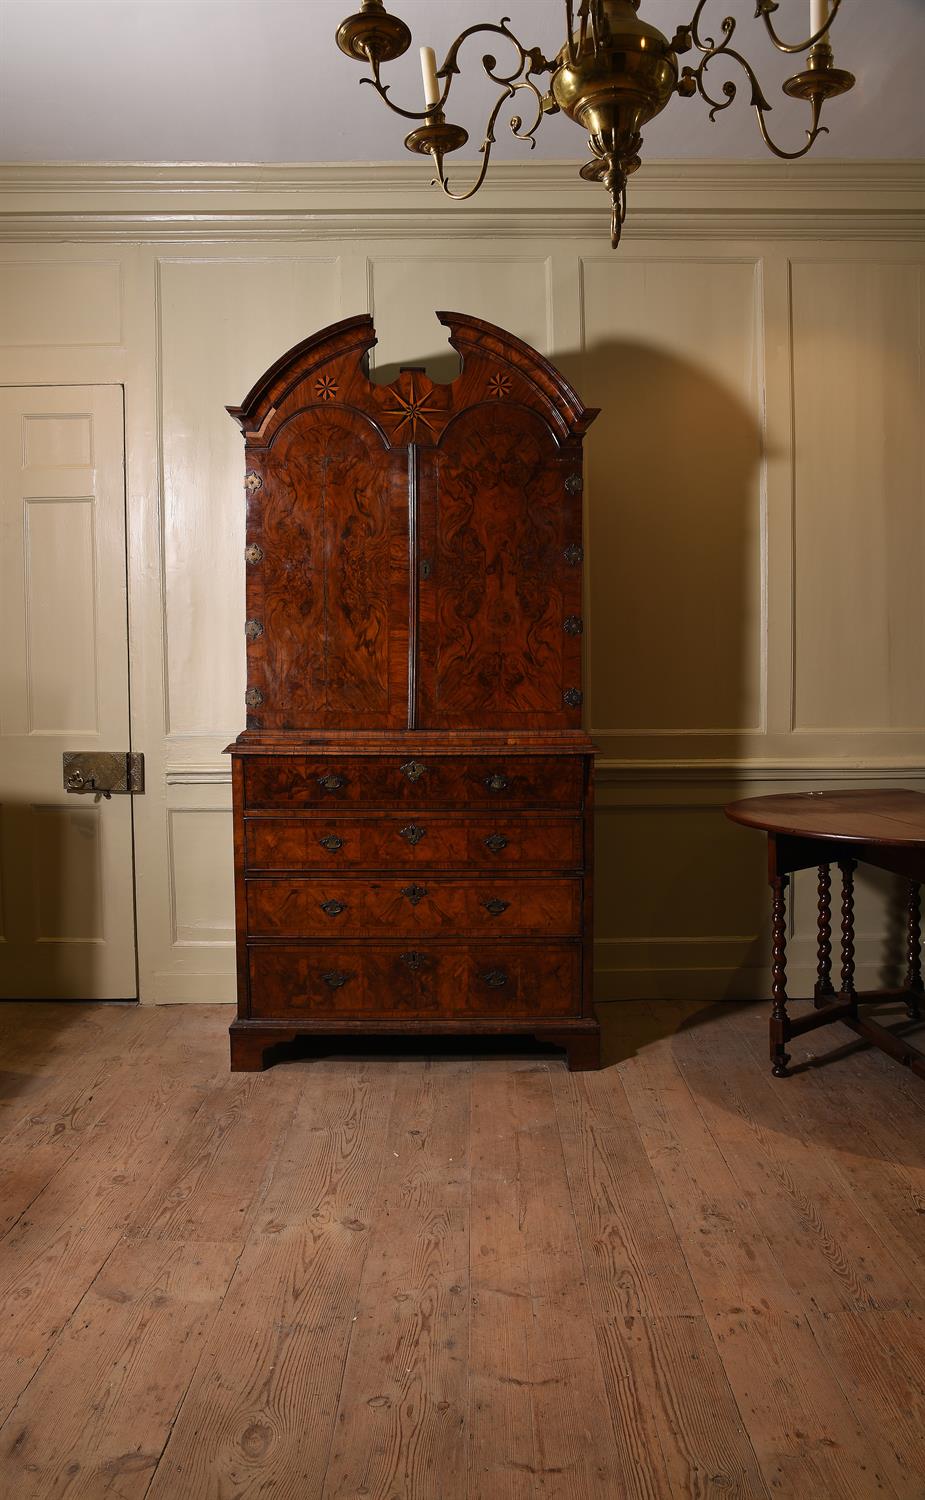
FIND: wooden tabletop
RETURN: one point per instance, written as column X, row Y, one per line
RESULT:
column 878, row 817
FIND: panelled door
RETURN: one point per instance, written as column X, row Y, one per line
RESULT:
column 67, row 923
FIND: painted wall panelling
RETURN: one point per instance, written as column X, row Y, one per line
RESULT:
column 711, row 385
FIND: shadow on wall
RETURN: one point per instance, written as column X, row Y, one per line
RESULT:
column 675, row 647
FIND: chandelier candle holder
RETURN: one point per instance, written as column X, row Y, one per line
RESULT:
column 613, row 74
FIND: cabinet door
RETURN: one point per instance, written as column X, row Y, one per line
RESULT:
column 327, row 577
column 499, row 592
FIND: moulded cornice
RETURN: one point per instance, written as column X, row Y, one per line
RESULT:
column 355, row 201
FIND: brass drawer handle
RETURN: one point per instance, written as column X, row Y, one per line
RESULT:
column 415, row 960
column 496, row 842
column 332, row 781
column 335, row 978
column 496, row 906
column 331, row 842
column 413, row 770
column 333, row 908
column 494, row 978
column 497, row 782
column 413, row 832
column 414, row 893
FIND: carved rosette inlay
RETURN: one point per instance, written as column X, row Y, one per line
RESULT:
column 253, row 553
column 574, row 554
column 253, row 629
column 252, row 482
column 499, row 385
column 411, row 411
column 574, row 484
column 253, row 697
column 572, row 696
column 573, row 625
column 326, row 388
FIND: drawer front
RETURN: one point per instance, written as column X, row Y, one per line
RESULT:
column 516, row 981
column 335, row 906
column 416, row 841
column 500, row 781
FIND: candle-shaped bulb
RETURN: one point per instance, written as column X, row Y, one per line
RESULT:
column 818, row 15
column 429, row 75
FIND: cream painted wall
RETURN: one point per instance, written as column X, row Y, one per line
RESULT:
column 754, row 497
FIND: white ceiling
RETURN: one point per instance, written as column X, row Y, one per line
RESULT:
column 262, row 80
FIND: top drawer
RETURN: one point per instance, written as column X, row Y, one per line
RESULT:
column 465, row 781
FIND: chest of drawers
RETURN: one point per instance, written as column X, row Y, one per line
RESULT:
column 391, row 891
column 412, row 792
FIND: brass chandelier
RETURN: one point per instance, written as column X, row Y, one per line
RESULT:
column 613, row 74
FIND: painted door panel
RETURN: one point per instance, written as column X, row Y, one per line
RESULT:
column 67, row 918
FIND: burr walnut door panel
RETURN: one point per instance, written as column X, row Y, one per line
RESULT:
column 327, row 576
column 499, row 575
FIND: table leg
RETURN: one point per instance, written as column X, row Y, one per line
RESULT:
column 824, row 991
column 779, row 1019
column 914, row 993
column 847, row 867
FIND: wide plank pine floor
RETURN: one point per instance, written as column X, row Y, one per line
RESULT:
column 413, row 1277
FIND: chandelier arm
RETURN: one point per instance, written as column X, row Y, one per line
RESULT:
column 758, row 101
column 516, row 123
column 812, row 133
column 706, row 43
column 485, row 149
column 529, row 59
column 766, row 7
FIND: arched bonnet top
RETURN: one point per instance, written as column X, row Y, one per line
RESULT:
column 331, row 368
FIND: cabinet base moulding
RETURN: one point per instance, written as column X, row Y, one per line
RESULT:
column 253, row 1043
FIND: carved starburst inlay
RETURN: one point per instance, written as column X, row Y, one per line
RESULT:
column 499, row 385
column 326, row 388
column 412, row 411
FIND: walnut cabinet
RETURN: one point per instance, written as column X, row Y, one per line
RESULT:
column 412, row 792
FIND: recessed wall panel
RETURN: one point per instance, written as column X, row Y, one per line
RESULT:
column 859, row 507
column 48, row 303
column 60, row 617
column 672, row 352
column 201, row 875
column 406, row 292
column 222, row 324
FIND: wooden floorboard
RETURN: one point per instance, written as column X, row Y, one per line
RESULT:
column 458, row 1277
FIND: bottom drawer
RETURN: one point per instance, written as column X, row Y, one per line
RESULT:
column 519, row 980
